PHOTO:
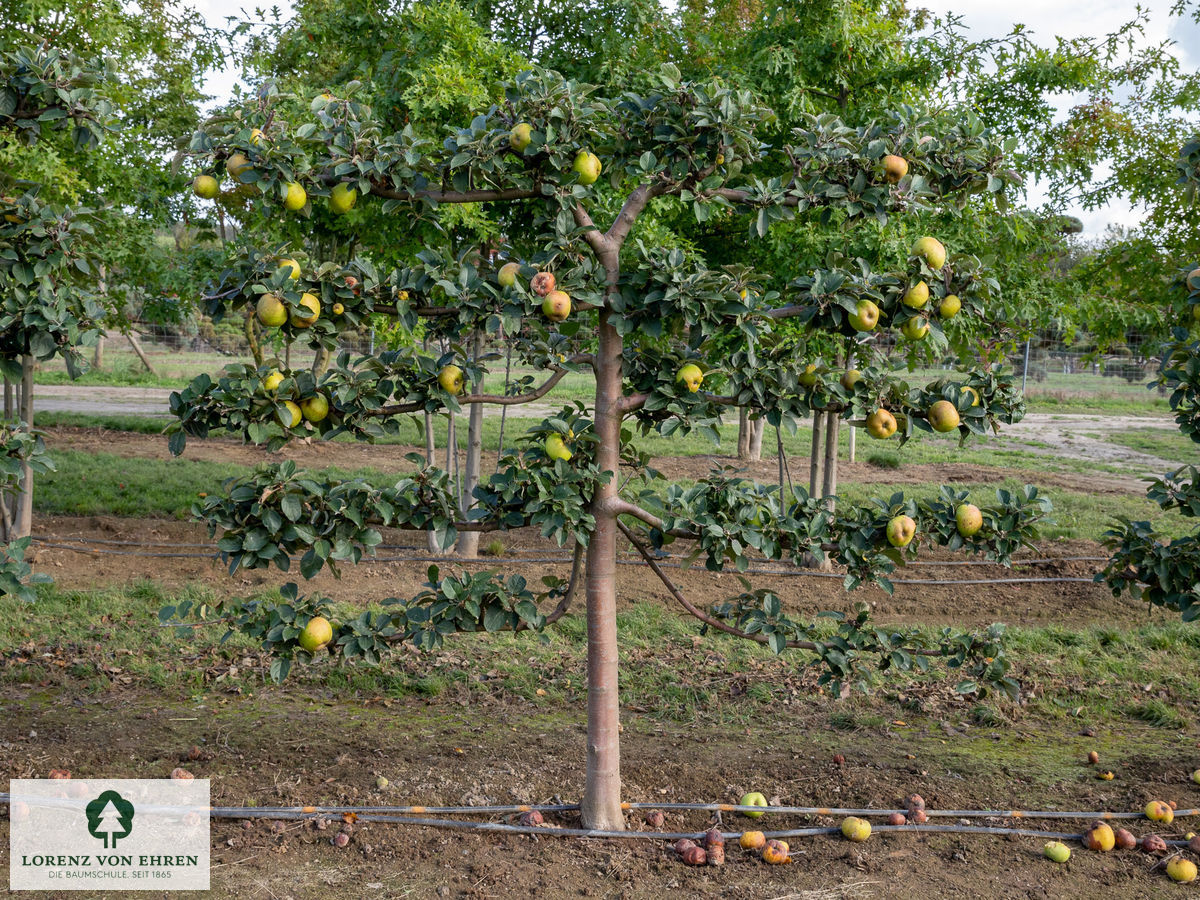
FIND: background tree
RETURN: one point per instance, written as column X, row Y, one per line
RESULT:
column 592, row 297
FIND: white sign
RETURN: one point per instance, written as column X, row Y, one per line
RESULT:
column 108, row 834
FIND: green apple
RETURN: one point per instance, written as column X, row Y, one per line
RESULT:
column 342, row 198
column 916, row 296
column 507, row 276
column 865, row 316
column 587, row 165
column 316, row 634
column 915, row 328
column 901, row 530
column 556, row 448
column 850, row 378
column 557, row 306
column 949, row 306
column 931, row 250
column 1196, row 776
column 290, row 264
column 206, row 187
column 272, row 381
column 270, row 311
column 856, row 829
column 881, row 424
column 943, row 416
column 296, row 196
column 969, row 519
column 521, row 136
column 809, row 376
column 1056, row 851
column 293, row 415
column 451, row 379
column 314, row 408
column 313, row 305
column 894, row 168
column 236, row 164
column 754, row 798
column 691, row 375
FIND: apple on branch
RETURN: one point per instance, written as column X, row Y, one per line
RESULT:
column 901, row 530
column 691, row 375
column 451, row 380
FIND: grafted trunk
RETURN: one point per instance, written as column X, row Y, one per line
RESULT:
column 601, row 808
column 468, row 541
column 750, row 436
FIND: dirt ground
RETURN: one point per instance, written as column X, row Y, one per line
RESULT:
column 291, row 746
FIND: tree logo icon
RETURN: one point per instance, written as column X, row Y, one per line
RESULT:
column 110, row 818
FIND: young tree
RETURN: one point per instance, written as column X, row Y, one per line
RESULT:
column 46, row 309
column 580, row 291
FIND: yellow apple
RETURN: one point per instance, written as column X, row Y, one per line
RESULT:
column 338, row 309
column 587, row 165
column 314, row 408
column 293, row 415
column 342, row 198
column 451, row 379
column 881, row 424
column 313, row 305
column 521, row 136
column 967, row 389
column 1158, row 811
column 856, row 829
column 900, row 531
column 507, row 276
column 915, row 328
column 296, row 196
column 290, row 264
column 316, row 634
column 943, row 416
column 271, row 311
column 850, row 378
column 236, row 164
column 916, row 296
column 557, row 306
column 1181, row 870
column 969, row 519
column 894, row 168
column 273, row 380
column 1099, row 837
column 556, row 448
column 865, row 316
column 949, row 306
column 691, row 375
column 256, row 137
column 206, row 187
column 931, row 250
column 809, row 376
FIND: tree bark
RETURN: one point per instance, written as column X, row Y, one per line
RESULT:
column 468, row 541
column 8, row 399
column 98, row 352
column 750, row 436
column 252, row 337
column 601, row 808
column 23, row 520
column 829, row 488
column 816, row 459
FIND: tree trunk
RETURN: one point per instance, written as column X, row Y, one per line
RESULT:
column 98, row 353
column 816, row 459
column 757, row 427
column 23, row 519
column 137, row 348
column 832, row 423
column 320, row 362
column 8, row 399
column 601, row 808
column 750, row 436
column 430, row 449
column 851, row 432
column 468, row 541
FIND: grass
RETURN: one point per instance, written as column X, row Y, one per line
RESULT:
column 1163, row 443
column 1104, row 675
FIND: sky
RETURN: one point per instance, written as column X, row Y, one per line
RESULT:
column 1043, row 19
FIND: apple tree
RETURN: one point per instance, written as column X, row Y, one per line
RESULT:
column 575, row 288
column 1146, row 564
column 46, row 308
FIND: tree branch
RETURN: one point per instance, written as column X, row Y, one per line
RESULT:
column 441, row 196
column 598, row 241
column 633, row 207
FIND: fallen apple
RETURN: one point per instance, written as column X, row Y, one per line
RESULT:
column 896, row 819
column 881, row 424
column 856, row 829
column 1159, row 811
column 1181, row 870
column 943, row 416
column 1093, row 757
column 1099, row 837
column 691, row 375
column 754, row 798
column 752, row 840
column 776, row 853
column 865, row 316
column 1056, row 851
column 1196, row 776
column 316, row 634
column 1124, row 839
column 900, row 530
column 451, row 380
